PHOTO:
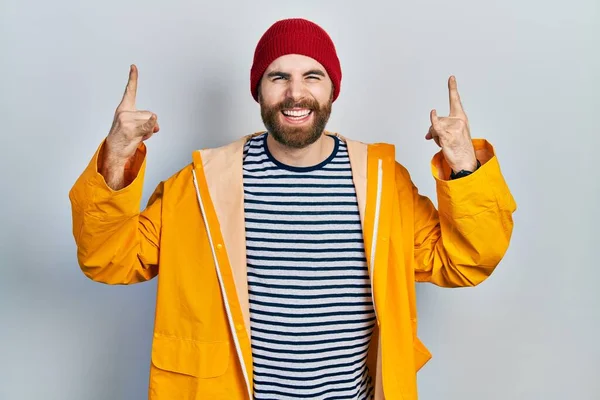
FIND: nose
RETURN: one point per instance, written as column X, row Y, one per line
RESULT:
column 295, row 89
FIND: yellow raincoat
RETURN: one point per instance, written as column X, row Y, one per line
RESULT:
column 192, row 236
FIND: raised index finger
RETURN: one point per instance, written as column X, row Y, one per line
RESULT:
column 128, row 102
column 456, row 108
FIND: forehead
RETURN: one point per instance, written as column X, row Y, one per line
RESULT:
column 292, row 63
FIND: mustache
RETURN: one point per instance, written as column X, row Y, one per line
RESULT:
column 291, row 103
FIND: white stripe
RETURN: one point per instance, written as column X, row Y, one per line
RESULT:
column 302, row 236
column 351, row 292
column 227, row 309
column 314, row 257
column 376, row 228
column 356, row 248
column 319, row 334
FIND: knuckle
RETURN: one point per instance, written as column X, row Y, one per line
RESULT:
column 122, row 116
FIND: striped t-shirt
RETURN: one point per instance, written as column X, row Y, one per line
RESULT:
column 311, row 310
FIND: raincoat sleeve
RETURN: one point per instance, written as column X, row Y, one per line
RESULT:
column 116, row 243
column 461, row 243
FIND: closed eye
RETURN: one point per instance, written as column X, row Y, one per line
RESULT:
column 312, row 75
column 276, row 75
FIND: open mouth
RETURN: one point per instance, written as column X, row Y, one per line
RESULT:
column 297, row 115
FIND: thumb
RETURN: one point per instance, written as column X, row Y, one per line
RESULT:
column 432, row 135
column 148, row 126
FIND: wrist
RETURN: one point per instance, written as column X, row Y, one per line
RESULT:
column 470, row 165
column 112, row 167
column 455, row 174
column 118, row 151
column 111, row 161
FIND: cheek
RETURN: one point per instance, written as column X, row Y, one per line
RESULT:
column 271, row 94
column 323, row 93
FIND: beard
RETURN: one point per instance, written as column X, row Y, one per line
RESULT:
column 295, row 136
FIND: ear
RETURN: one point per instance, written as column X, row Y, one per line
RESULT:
column 258, row 90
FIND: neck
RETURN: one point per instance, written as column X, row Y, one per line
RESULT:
column 310, row 155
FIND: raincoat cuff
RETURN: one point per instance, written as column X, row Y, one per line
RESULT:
column 92, row 194
column 474, row 193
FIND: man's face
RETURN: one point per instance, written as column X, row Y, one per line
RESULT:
column 295, row 96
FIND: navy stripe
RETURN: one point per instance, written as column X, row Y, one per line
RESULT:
column 308, row 324
column 313, row 315
column 305, row 232
column 303, row 297
column 356, row 278
column 307, row 241
column 286, row 222
column 298, row 176
column 317, row 250
column 308, row 259
column 307, row 387
column 312, row 287
column 275, row 168
column 313, row 377
column 302, row 203
column 323, row 332
column 296, row 233
column 311, row 369
column 289, row 212
column 311, row 306
column 308, row 361
column 326, row 349
column 303, row 396
column 312, row 342
column 299, row 194
column 299, row 185
column 359, row 268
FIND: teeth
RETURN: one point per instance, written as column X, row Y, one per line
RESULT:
column 296, row 113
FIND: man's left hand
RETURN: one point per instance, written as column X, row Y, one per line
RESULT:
column 452, row 133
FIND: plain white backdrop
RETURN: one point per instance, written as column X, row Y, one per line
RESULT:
column 528, row 74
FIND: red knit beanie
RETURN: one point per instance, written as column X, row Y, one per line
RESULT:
column 295, row 36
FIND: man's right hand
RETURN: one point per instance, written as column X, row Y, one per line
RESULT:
column 130, row 127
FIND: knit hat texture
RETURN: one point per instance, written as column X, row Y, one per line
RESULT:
column 295, row 36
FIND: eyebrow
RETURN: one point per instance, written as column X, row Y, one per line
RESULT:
column 287, row 75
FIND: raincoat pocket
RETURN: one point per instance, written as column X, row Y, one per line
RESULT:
column 190, row 357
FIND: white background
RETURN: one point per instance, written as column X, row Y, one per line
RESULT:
column 528, row 74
